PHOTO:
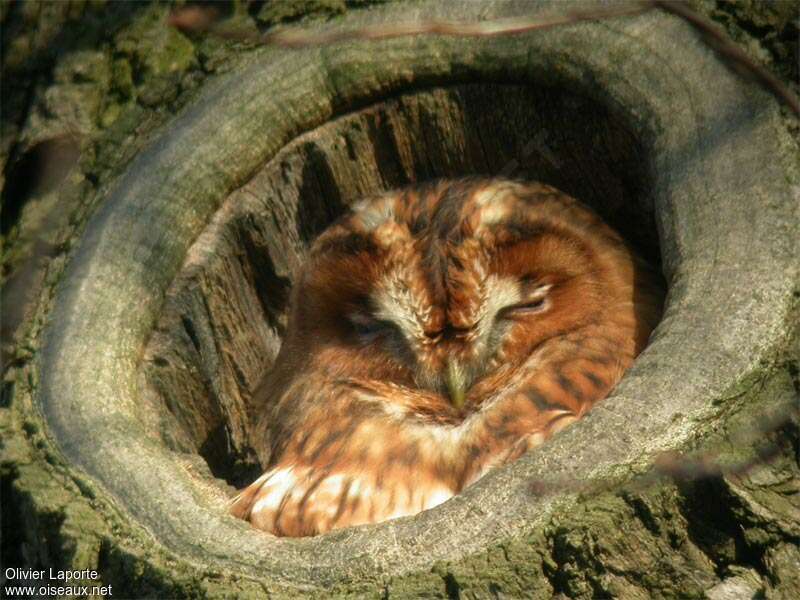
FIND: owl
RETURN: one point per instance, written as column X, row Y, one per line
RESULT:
column 435, row 333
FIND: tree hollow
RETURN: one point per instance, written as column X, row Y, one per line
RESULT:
column 172, row 305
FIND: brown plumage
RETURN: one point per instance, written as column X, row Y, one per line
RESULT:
column 435, row 333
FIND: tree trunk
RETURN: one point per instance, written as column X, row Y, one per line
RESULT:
column 206, row 169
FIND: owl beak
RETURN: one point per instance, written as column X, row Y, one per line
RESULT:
column 456, row 383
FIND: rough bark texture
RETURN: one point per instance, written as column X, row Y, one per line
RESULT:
column 124, row 406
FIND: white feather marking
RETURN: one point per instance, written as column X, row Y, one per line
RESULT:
column 333, row 485
column 491, row 195
column 491, row 215
column 375, row 212
column 563, row 422
column 276, row 485
column 535, row 439
column 499, row 292
column 396, row 302
column 436, row 498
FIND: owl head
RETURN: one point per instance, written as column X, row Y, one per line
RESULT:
column 449, row 286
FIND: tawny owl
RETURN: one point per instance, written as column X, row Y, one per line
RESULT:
column 435, row 333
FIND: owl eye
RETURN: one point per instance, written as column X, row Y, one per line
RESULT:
column 536, row 302
column 536, row 305
column 368, row 328
column 525, row 308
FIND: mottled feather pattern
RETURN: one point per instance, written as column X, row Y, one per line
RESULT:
column 437, row 332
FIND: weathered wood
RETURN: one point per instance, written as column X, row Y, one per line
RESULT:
column 635, row 116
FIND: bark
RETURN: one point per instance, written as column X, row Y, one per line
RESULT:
column 124, row 410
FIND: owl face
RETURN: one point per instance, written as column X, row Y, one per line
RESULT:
column 447, row 286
